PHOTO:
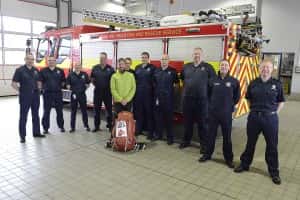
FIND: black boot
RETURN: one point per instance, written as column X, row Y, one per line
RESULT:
column 22, row 140
column 184, row 145
column 95, row 130
column 230, row 164
column 276, row 179
column 204, row 158
column 202, row 149
column 241, row 169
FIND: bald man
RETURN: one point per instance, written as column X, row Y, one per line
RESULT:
column 164, row 79
column 265, row 97
column 195, row 76
column 26, row 81
column 53, row 80
column 223, row 95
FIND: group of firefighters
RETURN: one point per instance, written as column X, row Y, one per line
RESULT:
column 209, row 100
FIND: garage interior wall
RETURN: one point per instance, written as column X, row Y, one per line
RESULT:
column 278, row 18
column 280, row 23
column 21, row 9
column 15, row 8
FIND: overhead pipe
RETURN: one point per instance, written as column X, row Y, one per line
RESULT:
column 58, row 14
column 70, row 19
column 69, row 2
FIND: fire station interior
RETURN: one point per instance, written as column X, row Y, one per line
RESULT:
column 255, row 39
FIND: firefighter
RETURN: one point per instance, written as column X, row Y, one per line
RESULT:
column 128, row 63
column 266, row 99
column 223, row 94
column 26, row 81
column 53, row 80
column 195, row 78
column 143, row 101
column 78, row 81
column 100, row 77
column 164, row 79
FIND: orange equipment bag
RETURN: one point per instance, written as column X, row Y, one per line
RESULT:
column 123, row 133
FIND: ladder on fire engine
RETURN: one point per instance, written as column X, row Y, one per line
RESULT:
column 119, row 20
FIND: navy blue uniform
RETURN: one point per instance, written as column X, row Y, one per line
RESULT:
column 164, row 81
column 53, row 81
column 101, row 80
column 29, row 98
column 264, row 98
column 224, row 94
column 78, row 83
column 195, row 100
column 131, row 71
column 143, row 100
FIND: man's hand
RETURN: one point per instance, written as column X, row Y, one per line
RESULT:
column 15, row 85
column 280, row 106
column 39, row 85
column 124, row 102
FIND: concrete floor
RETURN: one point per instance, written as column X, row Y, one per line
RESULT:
column 76, row 166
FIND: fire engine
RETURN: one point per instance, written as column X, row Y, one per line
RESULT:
column 218, row 40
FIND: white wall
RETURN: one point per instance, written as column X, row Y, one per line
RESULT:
column 77, row 18
column 20, row 9
column 17, row 8
column 280, row 23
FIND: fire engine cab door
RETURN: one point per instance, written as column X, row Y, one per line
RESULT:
column 180, row 50
column 90, row 56
column 134, row 48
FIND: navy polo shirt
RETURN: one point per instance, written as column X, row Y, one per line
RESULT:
column 78, row 82
column 223, row 94
column 130, row 70
column 52, row 80
column 144, row 77
column 196, row 79
column 101, row 77
column 265, row 96
column 164, row 81
column 28, row 79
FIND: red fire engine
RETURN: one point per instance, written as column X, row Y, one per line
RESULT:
column 84, row 43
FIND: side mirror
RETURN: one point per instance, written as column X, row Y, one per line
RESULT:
column 28, row 43
column 28, row 46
